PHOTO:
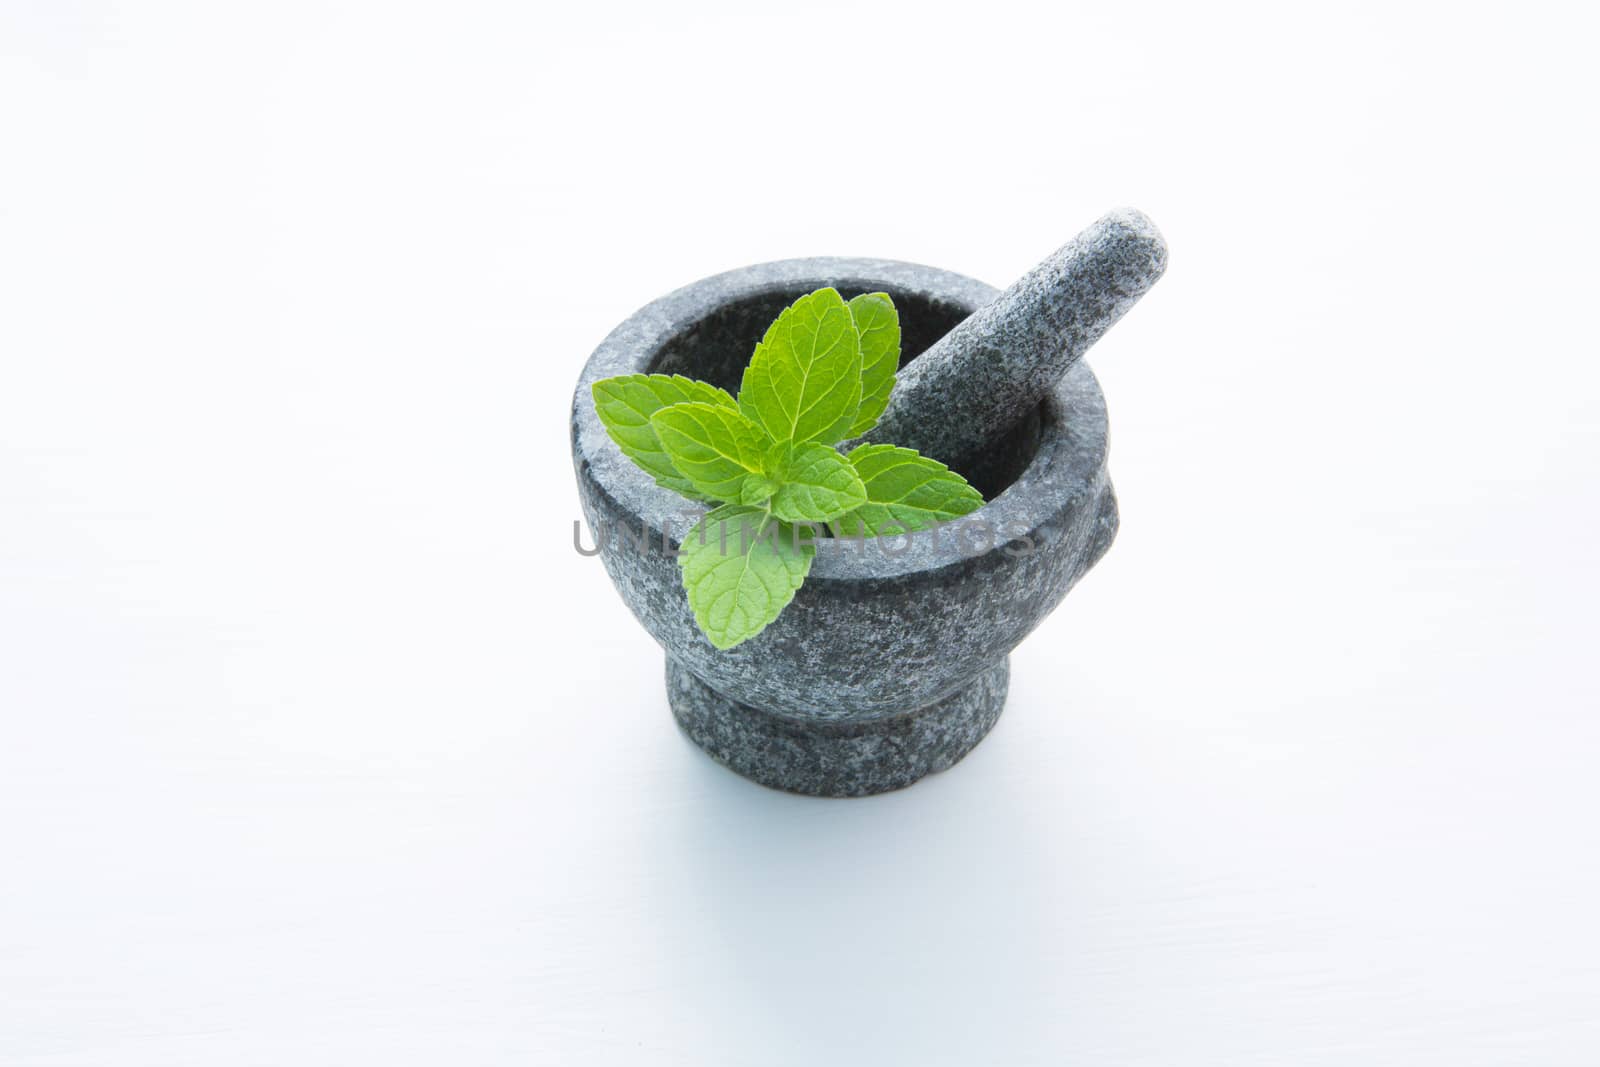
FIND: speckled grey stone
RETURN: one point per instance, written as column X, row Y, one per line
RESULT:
column 874, row 639
column 836, row 759
column 988, row 373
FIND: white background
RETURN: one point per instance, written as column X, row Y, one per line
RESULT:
column 320, row 745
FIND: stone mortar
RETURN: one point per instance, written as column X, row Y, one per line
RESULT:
column 891, row 662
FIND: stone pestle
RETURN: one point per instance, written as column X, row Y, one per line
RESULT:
column 968, row 389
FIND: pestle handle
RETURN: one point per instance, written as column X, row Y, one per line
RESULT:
column 987, row 374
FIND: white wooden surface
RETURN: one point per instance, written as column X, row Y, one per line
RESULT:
column 319, row 745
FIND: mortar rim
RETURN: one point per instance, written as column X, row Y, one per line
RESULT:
column 1067, row 467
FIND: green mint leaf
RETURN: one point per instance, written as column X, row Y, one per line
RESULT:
column 714, row 447
column 905, row 492
column 741, row 568
column 878, row 333
column 625, row 405
column 804, row 381
column 757, row 489
column 815, row 483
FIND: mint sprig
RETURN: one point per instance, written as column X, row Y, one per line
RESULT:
column 822, row 373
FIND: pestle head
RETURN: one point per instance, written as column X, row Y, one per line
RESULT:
column 986, row 375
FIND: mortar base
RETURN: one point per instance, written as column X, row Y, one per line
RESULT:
column 836, row 759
